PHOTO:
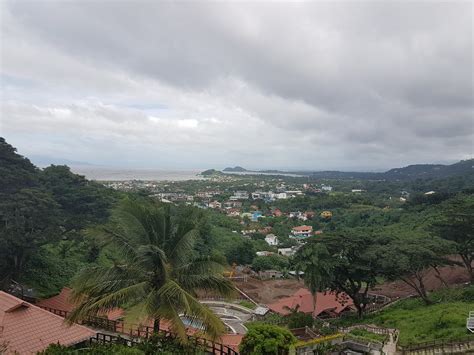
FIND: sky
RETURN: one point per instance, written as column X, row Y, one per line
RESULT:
column 348, row 85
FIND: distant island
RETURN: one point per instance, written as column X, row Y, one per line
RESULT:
column 211, row 172
column 237, row 169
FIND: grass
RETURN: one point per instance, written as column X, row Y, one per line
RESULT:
column 417, row 322
column 366, row 335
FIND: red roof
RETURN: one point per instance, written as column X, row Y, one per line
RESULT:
column 28, row 329
column 231, row 340
column 302, row 228
column 326, row 301
column 62, row 302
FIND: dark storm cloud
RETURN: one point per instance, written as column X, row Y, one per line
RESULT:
column 371, row 79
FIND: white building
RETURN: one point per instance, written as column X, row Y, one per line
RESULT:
column 271, row 239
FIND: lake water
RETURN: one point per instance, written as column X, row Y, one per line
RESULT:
column 121, row 174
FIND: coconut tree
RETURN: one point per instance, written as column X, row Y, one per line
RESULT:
column 155, row 273
column 313, row 261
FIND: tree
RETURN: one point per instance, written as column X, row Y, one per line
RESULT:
column 242, row 253
column 271, row 262
column 345, row 264
column 265, row 339
column 317, row 265
column 154, row 274
column 82, row 202
column 457, row 226
column 410, row 259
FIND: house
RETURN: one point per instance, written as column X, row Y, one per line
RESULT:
column 233, row 204
column 271, row 239
column 287, row 251
column 326, row 214
column 301, row 232
column 233, row 212
column 357, row 190
column 240, row 195
column 29, row 329
column 309, row 214
column 277, row 212
column 215, row 204
column 326, row 188
column 328, row 304
column 430, row 193
column 297, row 214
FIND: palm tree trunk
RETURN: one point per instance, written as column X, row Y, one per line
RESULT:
column 156, row 325
column 315, row 300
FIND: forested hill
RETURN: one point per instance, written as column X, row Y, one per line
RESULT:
column 432, row 171
column 411, row 172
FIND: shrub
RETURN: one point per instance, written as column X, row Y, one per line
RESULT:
column 266, row 339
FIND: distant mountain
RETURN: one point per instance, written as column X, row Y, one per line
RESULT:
column 237, row 169
column 430, row 171
column 411, row 172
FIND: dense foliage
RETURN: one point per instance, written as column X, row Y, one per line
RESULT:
column 263, row 339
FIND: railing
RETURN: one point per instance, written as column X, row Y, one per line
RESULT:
column 136, row 331
column 205, row 344
column 465, row 343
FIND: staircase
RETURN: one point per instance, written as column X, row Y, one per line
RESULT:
column 470, row 322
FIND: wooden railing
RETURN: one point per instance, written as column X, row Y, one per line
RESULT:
column 134, row 332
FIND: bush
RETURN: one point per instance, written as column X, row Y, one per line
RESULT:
column 468, row 294
column 300, row 320
column 266, row 339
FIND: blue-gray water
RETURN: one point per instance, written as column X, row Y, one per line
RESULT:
column 122, row 174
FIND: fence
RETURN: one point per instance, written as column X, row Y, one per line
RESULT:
column 459, row 345
column 202, row 343
column 136, row 332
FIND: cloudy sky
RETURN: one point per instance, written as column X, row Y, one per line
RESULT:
column 343, row 85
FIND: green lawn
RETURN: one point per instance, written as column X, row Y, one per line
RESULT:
column 446, row 319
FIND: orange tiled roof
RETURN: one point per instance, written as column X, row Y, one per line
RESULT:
column 62, row 302
column 28, row 329
column 302, row 228
column 326, row 301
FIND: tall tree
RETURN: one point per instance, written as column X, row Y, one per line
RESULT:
column 316, row 264
column 344, row 263
column 154, row 275
column 457, row 226
column 410, row 260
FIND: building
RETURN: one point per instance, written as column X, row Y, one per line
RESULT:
column 287, row 251
column 29, row 329
column 301, row 232
column 271, row 239
column 233, row 212
column 326, row 214
column 326, row 188
column 277, row 212
column 215, row 204
column 328, row 304
column 240, row 195
column 62, row 302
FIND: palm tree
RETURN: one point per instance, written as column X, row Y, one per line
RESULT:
column 313, row 260
column 155, row 273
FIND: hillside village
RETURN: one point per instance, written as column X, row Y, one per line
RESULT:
column 262, row 231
